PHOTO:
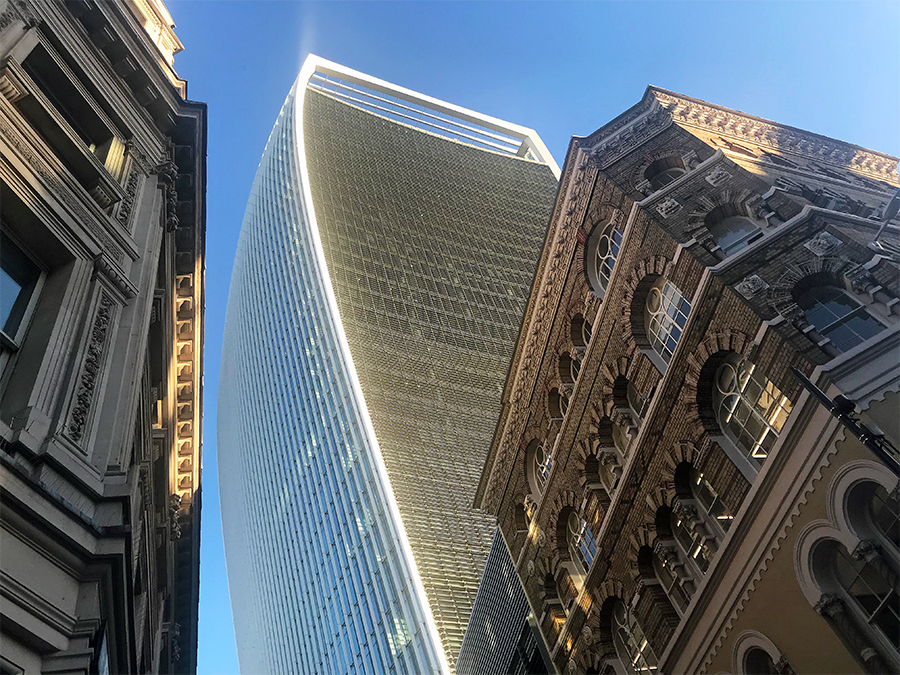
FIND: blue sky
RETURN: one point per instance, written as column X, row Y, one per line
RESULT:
column 562, row 69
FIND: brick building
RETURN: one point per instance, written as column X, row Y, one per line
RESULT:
column 672, row 497
column 102, row 207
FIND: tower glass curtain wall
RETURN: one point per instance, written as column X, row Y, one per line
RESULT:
column 384, row 261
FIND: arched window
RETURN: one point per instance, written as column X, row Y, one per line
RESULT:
column 884, row 514
column 758, row 662
column 668, row 579
column 580, row 332
column 632, row 647
column 837, row 316
column 731, row 228
column 582, row 543
column 707, row 497
column 750, row 410
column 569, row 368
column 538, row 464
column 874, row 514
column 690, row 540
column 600, row 256
column 666, row 314
column 663, row 171
column 558, row 404
column 874, row 596
column 637, row 401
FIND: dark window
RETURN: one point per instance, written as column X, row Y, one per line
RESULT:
column 837, row 316
column 18, row 280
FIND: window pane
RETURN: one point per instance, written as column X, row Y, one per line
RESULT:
column 18, row 279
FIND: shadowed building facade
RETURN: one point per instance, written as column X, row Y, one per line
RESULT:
column 381, row 274
column 673, row 499
column 102, row 211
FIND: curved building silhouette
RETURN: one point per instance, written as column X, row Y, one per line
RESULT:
column 385, row 258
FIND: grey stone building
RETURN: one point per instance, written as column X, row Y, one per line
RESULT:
column 102, row 208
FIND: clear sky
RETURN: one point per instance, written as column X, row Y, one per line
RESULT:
column 562, row 69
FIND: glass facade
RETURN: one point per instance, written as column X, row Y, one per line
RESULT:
column 372, row 314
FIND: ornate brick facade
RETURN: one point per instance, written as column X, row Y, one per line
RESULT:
column 729, row 226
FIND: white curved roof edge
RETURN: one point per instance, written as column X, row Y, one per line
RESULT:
column 310, row 66
column 529, row 137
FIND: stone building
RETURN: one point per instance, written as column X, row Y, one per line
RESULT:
column 673, row 498
column 102, row 183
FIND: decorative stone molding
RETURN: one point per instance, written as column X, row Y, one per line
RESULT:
column 751, row 286
column 90, row 370
column 717, row 176
column 18, row 10
column 692, row 113
column 822, row 243
column 668, row 207
column 105, row 266
column 59, row 190
column 168, row 172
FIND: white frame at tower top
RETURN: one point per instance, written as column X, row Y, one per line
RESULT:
column 529, row 143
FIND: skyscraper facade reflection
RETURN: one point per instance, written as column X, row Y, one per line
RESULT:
column 386, row 253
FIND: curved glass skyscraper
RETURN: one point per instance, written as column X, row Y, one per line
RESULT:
column 382, row 270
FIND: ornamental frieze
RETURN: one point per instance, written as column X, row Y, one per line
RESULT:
column 90, row 370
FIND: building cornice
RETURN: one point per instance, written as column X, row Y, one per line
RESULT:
column 659, row 109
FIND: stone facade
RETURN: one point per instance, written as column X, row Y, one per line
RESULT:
column 102, row 173
column 640, row 495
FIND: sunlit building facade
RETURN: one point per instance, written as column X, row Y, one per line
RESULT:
column 381, row 274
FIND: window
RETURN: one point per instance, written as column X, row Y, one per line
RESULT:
column 874, row 595
column 663, row 171
column 19, row 277
column 667, row 312
column 750, row 410
column 703, row 492
column 637, row 402
column 632, row 647
column 538, row 464
column 734, row 233
column 569, row 368
column 884, row 513
column 582, row 543
column 600, row 256
column 690, row 541
column 580, row 332
column 558, row 404
column 758, row 662
column 837, row 316
column 668, row 579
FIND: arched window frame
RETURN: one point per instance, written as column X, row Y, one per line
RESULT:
column 557, row 404
column 631, row 644
column 739, row 399
column 666, row 313
column 664, row 170
column 836, row 532
column 731, row 219
column 750, row 640
column 580, row 333
column 538, row 465
column 669, row 571
column 581, row 541
column 819, row 302
column 601, row 252
column 569, row 368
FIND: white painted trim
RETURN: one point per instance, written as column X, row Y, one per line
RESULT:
column 311, row 64
column 528, row 137
column 844, row 480
column 746, row 641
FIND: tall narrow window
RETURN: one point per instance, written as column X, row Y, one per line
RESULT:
column 632, row 647
column 838, row 316
column 669, row 581
column 582, row 543
column 601, row 253
column 704, row 493
column 667, row 312
column 875, row 596
column 19, row 277
column 750, row 410
column 538, row 465
column 884, row 512
column 690, row 541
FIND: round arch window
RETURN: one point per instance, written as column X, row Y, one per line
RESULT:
column 666, row 315
column 539, row 465
column 750, row 410
column 663, row 171
column 582, row 543
column 600, row 259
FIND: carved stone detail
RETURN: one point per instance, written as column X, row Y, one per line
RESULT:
column 168, row 172
column 103, row 265
column 717, row 176
column 751, row 286
column 90, row 371
column 822, row 243
column 667, row 207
